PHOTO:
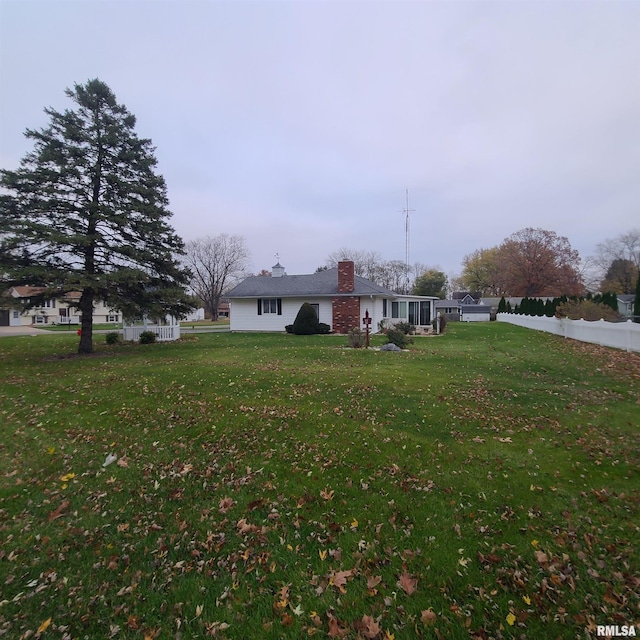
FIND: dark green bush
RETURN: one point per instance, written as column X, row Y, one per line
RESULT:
column 147, row 337
column 405, row 327
column 399, row 338
column 113, row 337
column 306, row 322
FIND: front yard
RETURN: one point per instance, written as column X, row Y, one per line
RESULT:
column 483, row 485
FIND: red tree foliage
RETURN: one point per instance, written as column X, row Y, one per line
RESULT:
column 537, row 262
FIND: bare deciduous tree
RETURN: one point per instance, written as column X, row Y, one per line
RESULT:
column 217, row 265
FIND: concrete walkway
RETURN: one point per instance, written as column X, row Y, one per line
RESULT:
column 22, row 331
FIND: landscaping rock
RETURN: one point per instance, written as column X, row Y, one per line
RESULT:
column 390, row 347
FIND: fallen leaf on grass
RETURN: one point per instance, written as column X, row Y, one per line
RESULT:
column 326, row 494
column 335, row 630
column 59, row 512
column 428, row 617
column 373, row 581
column 339, row 579
column 369, row 627
column 44, row 626
column 407, row 583
column 225, row 504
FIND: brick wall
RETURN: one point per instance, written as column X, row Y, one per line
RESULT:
column 346, row 313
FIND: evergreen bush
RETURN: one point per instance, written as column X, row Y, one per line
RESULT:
column 113, row 337
column 147, row 337
column 306, row 322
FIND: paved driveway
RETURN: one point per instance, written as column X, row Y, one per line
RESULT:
column 22, row 331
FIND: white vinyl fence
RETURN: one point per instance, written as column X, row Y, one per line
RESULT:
column 621, row 335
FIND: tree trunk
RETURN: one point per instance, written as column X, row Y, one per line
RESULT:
column 86, row 328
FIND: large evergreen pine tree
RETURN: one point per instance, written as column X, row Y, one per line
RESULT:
column 87, row 212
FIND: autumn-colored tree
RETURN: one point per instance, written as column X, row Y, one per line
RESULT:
column 431, row 282
column 480, row 272
column 537, row 262
column 612, row 262
column 621, row 276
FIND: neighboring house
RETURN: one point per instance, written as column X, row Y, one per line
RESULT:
column 465, row 297
column 340, row 298
column 51, row 311
column 195, row 315
column 464, row 306
column 625, row 304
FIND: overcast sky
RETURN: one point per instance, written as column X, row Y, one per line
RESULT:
column 299, row 124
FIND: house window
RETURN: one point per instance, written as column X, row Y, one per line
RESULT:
column 384, row 307
column 50, row 304
column 112, row 317
column 270, row 305
column 316, row 308
column 398, row 309
column 16, row 315
column 40, row 319
column 414, row 311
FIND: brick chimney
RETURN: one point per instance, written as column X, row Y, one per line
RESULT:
column 346, row 280
column 346, row 309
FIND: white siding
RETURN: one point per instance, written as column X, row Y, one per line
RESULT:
column 475, row 317
column 244, row 314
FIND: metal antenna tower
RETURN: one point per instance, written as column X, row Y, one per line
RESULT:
column 406, row 211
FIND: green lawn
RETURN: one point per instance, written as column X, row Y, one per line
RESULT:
column 485, row 484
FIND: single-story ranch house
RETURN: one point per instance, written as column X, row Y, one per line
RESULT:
column 341, row 300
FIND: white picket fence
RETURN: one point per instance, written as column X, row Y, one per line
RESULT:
column 163, row 334
column 620, row 335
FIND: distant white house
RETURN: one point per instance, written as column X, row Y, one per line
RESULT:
column 51, row 311
column 340, row 298
column 61, row 310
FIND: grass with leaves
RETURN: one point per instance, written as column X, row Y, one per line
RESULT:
column 483, row 484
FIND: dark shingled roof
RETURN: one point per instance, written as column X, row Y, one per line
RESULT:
column 323, row 283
